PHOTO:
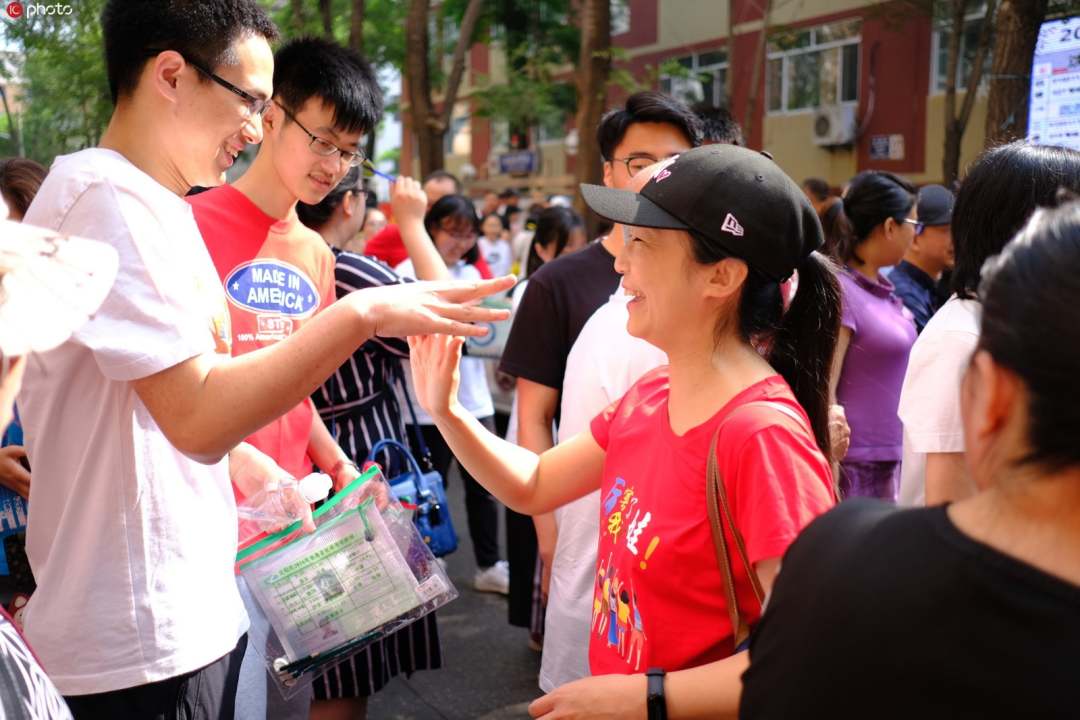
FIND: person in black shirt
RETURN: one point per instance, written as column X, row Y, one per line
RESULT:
column 969, row 610
column 915, row 278
column 564, row 294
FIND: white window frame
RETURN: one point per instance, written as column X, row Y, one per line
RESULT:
column 697, row 68
column 785, row 55
column 936, row 36
column 621, row 21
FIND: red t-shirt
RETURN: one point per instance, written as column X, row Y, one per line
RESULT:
column 277, row 274
column 386, row 245
column 659, row 596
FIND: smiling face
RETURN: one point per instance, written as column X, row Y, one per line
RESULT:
column 306, row 174
column 454, row 237
column 211, row 123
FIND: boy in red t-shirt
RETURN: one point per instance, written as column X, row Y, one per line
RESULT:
column 276, row 272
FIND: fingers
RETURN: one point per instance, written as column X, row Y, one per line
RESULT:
column 458, row 292
column 541, row 706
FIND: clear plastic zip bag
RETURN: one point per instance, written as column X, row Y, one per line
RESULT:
column 323, row 597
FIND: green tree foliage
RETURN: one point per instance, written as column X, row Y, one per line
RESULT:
column 65, row 96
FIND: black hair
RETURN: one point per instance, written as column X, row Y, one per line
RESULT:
column 718, row 125
column 831, row 225
column 20, row 179
column 798, row 343
column 341, row 78
column 818, row 188
column 553, row 226
column 457, row 207
column 509, row 193
column 444, row 175
column 872, row 198
column 316, row 216
column 1035, row 273
column 644, row 107
column 1000, row 192
column 203, row 31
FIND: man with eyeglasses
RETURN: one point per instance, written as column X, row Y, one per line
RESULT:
column 559, row 299
column 135, row 424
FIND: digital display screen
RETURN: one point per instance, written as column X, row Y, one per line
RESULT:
column 1054, row 115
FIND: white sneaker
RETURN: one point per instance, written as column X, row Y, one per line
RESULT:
column 494, row 579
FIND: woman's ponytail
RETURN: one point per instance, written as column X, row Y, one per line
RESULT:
column 799, row 343
column 804, row 341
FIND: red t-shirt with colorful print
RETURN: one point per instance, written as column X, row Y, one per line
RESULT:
column 659, row 596
column 276, row 274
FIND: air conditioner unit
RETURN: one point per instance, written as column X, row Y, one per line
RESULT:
column 834, row 125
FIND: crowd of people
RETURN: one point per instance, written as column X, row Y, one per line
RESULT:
column 764, row 434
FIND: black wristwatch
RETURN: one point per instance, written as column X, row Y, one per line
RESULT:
column 656, row 704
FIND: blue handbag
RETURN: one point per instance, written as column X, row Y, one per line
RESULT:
column 425, row 490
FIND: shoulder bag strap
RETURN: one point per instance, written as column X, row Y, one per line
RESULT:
column 717, row 500
column 399, row 372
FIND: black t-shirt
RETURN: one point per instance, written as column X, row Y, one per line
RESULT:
column 885, row 613
column 560, row 297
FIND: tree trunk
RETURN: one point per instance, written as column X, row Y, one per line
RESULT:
column 594, row 63
column 356, row 26
column 956, row 123
column 760, row 58
column 299, row 15
column 729, row 74
column 430, row 126
column 1016, row 31
column 327, row 15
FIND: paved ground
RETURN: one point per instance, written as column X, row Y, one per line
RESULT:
column 488, row 671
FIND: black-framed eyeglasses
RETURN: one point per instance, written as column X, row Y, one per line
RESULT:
column 325, row 148
column 255, row 106
column 918, row 225
column 636, row 164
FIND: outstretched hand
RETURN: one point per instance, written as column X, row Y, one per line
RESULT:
column 434, row 360
column 423, row 308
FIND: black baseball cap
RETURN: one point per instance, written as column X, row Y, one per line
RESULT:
column 935, row 205
column 738, row 198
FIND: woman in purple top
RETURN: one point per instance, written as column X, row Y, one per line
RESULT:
column 877, row 332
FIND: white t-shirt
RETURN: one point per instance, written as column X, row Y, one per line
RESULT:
column 498, row 255
column 603, row 364
column 930, row 397
column 131, row 543
column 473, row 391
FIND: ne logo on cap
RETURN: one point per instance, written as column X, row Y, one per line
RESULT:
column 731, row 225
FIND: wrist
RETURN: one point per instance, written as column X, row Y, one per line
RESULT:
column 342, row 464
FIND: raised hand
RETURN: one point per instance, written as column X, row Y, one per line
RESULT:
column 423, row 308
column 408, row 202
column 434, row 360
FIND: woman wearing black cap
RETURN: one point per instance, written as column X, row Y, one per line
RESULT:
column 709, row 240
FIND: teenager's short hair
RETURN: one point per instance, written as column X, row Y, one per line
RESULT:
column 649, row 106
column 203, row 31
column 316, row 68
column 1000, row 192
column 444, row 175
column 718, row 125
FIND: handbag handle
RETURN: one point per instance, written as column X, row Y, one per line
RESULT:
column 424, row 452
column 389, row 444
column 717, row 500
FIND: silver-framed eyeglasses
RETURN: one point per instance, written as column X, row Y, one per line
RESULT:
column 918, row 225
column 325, row 148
